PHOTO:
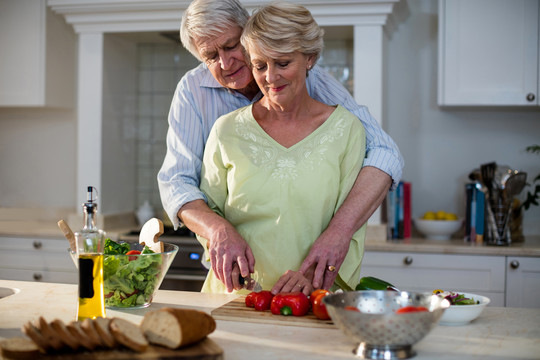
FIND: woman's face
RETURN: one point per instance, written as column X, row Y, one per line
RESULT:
column 281, row 78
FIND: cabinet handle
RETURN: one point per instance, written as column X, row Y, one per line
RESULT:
column 530, row 97
column 38, row 276
column 514, row 264
column 407, row 260
column 37, row 244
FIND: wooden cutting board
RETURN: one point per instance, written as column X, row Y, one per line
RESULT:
column 203, row 350
column 237, row 310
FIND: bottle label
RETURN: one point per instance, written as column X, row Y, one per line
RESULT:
column 86, row 278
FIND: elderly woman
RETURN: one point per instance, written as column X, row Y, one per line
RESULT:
column 279, row 169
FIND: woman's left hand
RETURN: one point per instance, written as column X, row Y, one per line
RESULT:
column 292, row 281
column 326, row 255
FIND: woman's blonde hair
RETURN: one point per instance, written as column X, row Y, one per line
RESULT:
column 205, row 18
column 281, row 28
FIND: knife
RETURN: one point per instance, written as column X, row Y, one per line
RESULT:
column 249, row 283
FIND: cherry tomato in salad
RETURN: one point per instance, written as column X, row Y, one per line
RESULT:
column 133, row 252
column 409, row 309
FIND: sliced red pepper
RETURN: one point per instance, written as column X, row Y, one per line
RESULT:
column 319, row 309
column 409, row 309
column 133, row 252
column 352, row 308
column 298, row 303
column 259, row 300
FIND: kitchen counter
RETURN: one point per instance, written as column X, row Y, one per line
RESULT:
column 499, row 333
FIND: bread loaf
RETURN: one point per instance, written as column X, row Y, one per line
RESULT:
column 19, row 348
column 174, row 328
column 62, row 332
column 78, row 333
column 49, row 334
column 128, row 334
column 33, row 333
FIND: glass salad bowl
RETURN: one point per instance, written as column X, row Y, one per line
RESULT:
column 131, row 280
column 373, row 320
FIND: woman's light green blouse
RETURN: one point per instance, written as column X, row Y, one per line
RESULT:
column 281, row 199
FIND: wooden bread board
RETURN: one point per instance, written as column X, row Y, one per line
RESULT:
column 236, row 310
column 203, row 350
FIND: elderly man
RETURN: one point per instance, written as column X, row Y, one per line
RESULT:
column 223, row 82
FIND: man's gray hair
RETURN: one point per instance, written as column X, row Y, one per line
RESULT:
column 205, row 18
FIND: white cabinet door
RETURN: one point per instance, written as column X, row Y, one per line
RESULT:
column 523, row 282
column 37, row 65
column 488, row 52
column 483, row 275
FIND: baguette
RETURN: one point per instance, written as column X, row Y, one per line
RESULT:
column 63, row 333
column 19, row 348
column 174, row 328
column 102, row 327
column 128, row 334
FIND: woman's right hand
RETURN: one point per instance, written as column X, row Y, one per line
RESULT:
column 226, row 247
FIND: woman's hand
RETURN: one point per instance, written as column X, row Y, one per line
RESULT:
column 325, row 256
column 293, row 281
column 229, row 250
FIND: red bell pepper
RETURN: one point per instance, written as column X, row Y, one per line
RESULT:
column 133, row 252
column 409, row 309
column 259, row 300
column 295, row 303
column 319, row 309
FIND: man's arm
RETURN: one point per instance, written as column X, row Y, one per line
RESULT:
column 331, row 247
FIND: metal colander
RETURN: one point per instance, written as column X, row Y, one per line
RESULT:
column 380, row 332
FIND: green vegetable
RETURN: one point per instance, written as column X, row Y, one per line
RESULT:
column 373, row 283
column 129, row 283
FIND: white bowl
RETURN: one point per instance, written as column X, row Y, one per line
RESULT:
column 438, row 229
column 464, row 314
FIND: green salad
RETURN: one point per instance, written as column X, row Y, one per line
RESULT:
column 129, row 281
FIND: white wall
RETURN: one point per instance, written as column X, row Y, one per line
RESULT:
column 37, row 158
column 441, row 146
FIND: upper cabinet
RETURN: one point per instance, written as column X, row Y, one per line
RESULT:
column 38, row 56
column 488, row 52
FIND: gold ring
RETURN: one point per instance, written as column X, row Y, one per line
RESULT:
column 299, row 285
column 331, row 268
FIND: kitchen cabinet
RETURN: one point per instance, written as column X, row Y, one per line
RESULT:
column 483, row 275
column 38, row 56
column 488, row 53
column 512, row 281
column 36, row 259
column 523, row 282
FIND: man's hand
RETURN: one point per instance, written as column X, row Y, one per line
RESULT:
column 225, row 245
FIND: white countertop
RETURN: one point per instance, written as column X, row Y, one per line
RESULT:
column 499, row 333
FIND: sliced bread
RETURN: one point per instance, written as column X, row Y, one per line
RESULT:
column 87, row 325
column 33, row 333
column 174, row 328
column 49, row 334
column 128, row 334
column 63, row 333
column 19, row 348
column 102, row 327
column 78, row 333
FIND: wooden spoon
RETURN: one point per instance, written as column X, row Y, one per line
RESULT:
column 68, row 234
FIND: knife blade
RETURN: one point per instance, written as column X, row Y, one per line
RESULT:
column 249, row 283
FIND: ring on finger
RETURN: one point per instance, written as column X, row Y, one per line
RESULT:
column 331, row 268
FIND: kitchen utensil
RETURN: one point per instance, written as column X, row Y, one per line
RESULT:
column 488, row 175
column 250, row 284
column 68, row 234
column 502, row 172
column 380, row 332
column 236, row 310
column 150, row 233
column 513, row 187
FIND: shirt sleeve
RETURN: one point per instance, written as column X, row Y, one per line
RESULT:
column 178, row 178
column 381, row 151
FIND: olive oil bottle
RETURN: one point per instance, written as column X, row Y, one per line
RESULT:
column 90, row 242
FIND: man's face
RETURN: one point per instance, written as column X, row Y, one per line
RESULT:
column 225, row 59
